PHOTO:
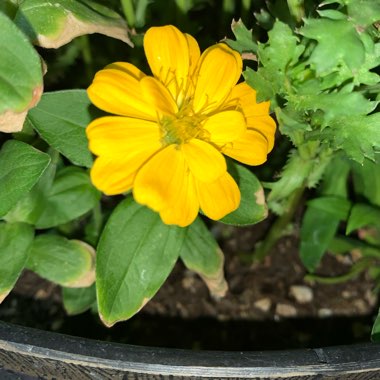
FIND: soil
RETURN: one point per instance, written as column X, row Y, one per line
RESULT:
column 269, row 305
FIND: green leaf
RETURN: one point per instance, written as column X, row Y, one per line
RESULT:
column 335, row 177
column 346, row 46
column 252, row 208
column 367, row 180
column 275, row 57
column 244, row 42
column 356, row 135
column 20, row 168
column 317, row 232
column 65, row 262
column 63, row 130
column 70, row 196
column 51, row 24
column 15, row 242
column 335, row 104
column 375, row 333
column 135, row 255
column 363, row 215
column 337, row 207
column 20, row 76
column 78, row 300
column 363, row 12
column 201, row 254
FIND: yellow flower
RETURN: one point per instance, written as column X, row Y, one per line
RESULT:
column 172, row 129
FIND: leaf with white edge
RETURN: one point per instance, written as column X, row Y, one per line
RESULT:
column 78, row 300
column 252, row 208
column 21, row 83
column 244, row 42
column 20, row 168
column 317, row 232
column 363, row 215
column 201, row 254
column 347, row 47
column 15, row 242
column 62, row 129
column 53, row 23
column 135, row 255
column 66, row 262
column 70, row 196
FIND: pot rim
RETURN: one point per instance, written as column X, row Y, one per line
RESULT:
column 96, row 355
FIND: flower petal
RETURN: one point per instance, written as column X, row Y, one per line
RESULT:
column 116, row 89
column 220, row 68
column 246, row 96
column 257, row 114
column 158, row 182
column 219, row 198
column 114, row 136
column 225, row 126
column 194, row 52
column 116, row 175
column 158, row 96
column 167, row 52
column 205, row 162
column 184, row 211
column 264, row 125
column 250, row 149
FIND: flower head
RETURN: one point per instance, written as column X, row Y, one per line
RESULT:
column 172, row 129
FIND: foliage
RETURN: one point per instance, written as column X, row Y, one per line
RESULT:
column 318, row 65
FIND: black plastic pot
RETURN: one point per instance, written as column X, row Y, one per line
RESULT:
column 27, row 353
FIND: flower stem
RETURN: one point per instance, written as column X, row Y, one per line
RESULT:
column 277, row 230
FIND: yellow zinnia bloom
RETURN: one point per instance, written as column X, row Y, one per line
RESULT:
column 171, row 130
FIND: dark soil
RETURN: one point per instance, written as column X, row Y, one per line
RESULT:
column 262, row 309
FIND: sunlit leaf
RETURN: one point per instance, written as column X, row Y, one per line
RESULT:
column 20, row 76
column 51, row 24
column 136, row 253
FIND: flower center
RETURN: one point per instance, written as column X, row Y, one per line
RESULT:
column 182, row 127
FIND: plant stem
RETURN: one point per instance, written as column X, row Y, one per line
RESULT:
column 129, row 12
column 277, row 230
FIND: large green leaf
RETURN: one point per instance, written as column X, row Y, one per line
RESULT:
column 363, row 215
column 70, row 196
column 337, row 207
column 317, row 232
column 252, row 208
column 62, row 129
column 53, row 23
column 65, row 262
column 367, row 180
column 136, row 253
column 20, row 168
column 347, row 47
column 15, row 242
column 244, row 42
column 201, row 253
column 20, row 76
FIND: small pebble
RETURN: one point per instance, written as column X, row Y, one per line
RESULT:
column 263, row 304
column 285, row 310
column 301, row 293
column 324, row 313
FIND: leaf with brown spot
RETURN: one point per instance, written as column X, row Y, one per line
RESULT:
column 201, row 254
column 20, row 76
column 51, row 24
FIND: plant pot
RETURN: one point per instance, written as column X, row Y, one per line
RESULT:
column 27, row 353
